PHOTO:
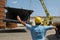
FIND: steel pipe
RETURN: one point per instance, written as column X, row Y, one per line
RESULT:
column 10, row 20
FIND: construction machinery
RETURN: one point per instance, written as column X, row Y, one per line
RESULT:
column 8, row 20
column 11, row 17
column 48, row 19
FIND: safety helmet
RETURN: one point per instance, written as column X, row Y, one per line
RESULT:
column 38, row 20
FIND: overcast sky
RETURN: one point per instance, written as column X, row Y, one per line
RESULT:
column 53, row 6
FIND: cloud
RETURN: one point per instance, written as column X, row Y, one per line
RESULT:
column 14, row 2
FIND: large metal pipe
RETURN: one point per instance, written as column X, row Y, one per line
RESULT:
column 10, row 20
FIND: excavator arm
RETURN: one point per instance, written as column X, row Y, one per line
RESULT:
column 44, row 7
column 47, row 13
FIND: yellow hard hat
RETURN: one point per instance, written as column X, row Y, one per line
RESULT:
column 38, row 20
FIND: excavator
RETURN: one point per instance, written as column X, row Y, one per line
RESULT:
column 48, row 19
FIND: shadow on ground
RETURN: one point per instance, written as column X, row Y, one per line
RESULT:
column 52, row 37
column 12, row 31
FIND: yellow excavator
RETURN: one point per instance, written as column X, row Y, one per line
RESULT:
column 48, row 19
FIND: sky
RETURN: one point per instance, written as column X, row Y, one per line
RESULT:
column 53, row 6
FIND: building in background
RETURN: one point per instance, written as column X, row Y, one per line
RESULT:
column 2, row 13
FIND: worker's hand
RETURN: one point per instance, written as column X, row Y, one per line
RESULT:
column 54, row 27
column 19, row 19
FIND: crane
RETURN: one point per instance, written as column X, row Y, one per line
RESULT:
column 48, row 17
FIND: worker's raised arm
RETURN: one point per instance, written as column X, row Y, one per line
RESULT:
column 24, row 23
column 19, row 19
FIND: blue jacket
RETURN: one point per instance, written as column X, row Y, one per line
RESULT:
column 38, row 32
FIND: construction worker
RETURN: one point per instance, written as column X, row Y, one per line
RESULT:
column 38, row 31
column 58, row 30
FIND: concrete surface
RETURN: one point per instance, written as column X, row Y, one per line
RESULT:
column 24, row 35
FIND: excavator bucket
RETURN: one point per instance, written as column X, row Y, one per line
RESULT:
column 12, row 13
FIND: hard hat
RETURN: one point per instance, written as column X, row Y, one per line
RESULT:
column 38, row 20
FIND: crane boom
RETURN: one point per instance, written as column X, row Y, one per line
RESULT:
column 45, row 9
column 48, row 18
